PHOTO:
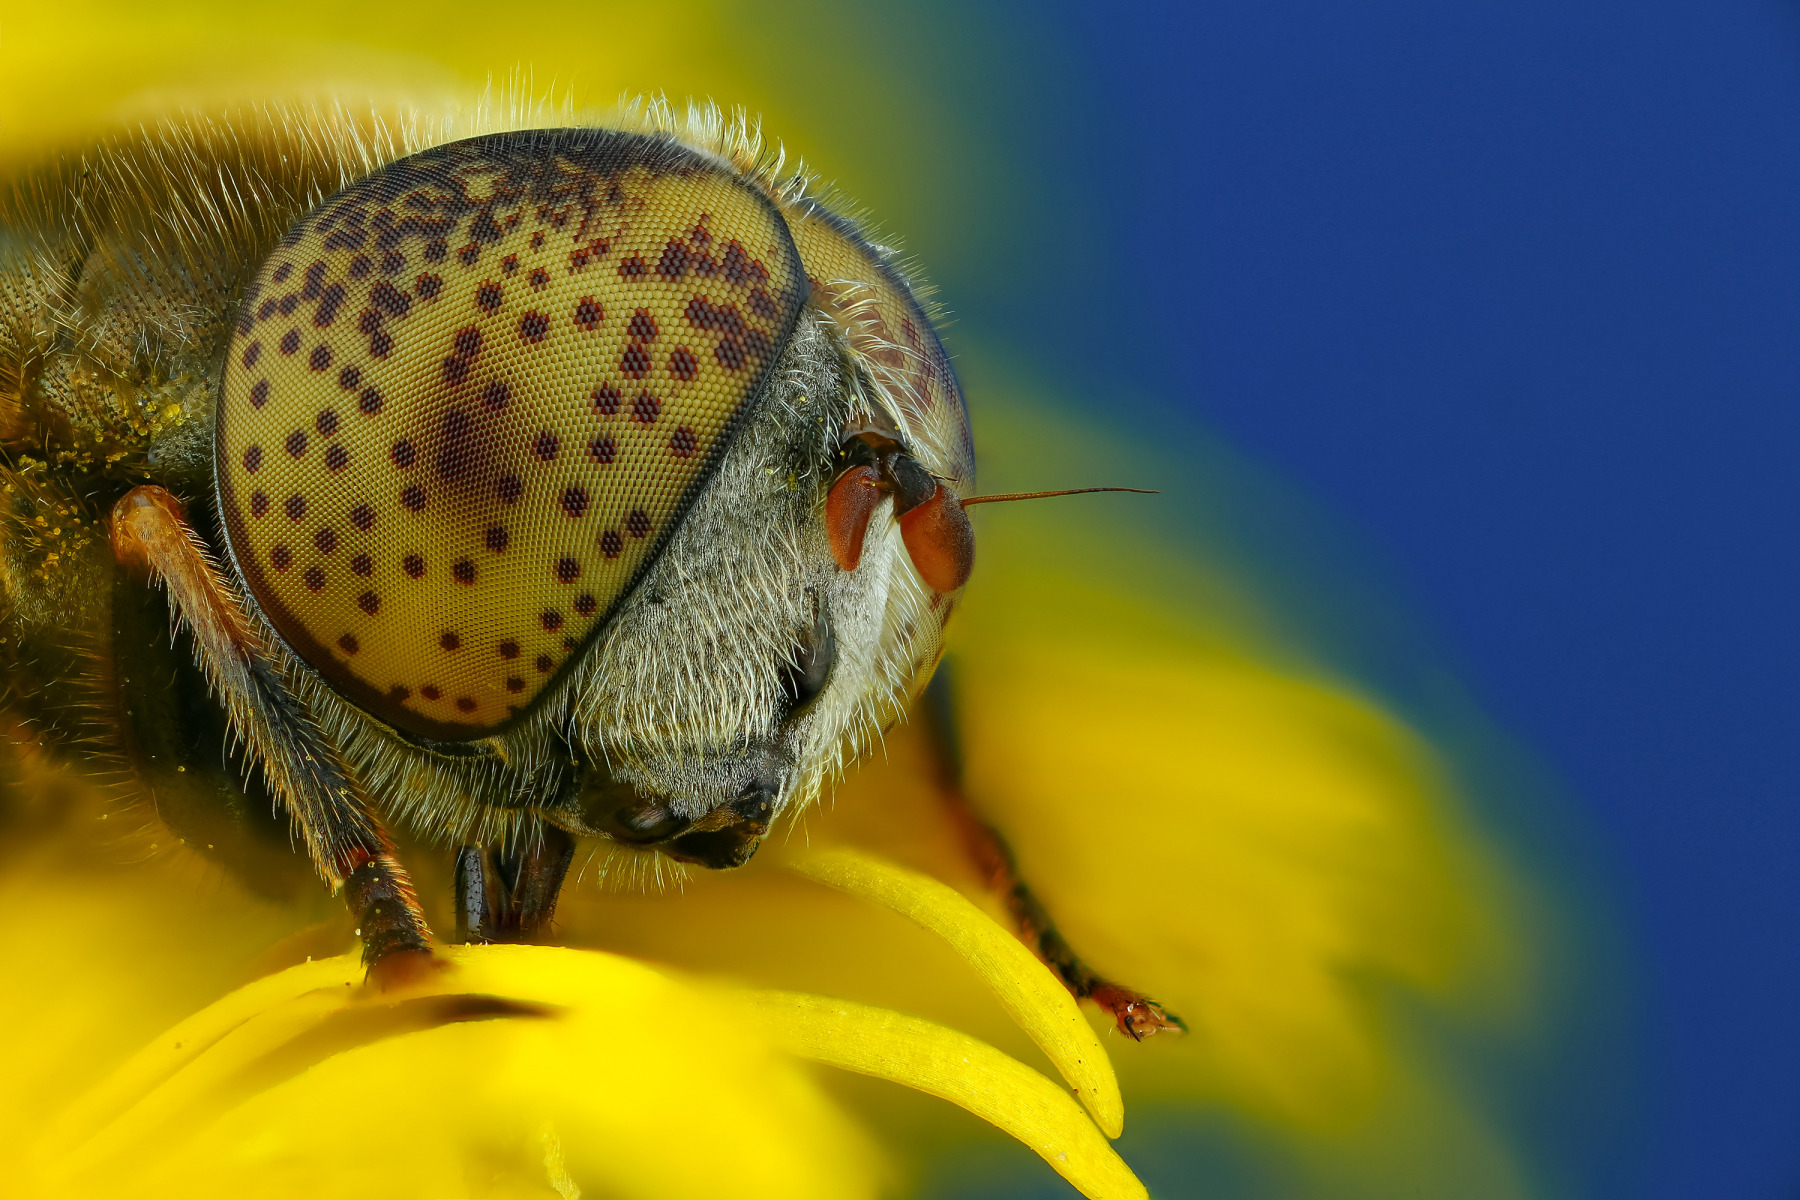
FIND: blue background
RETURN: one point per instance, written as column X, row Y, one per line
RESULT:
column 1515, row 288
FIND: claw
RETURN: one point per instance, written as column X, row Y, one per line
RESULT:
column 1138, row 1016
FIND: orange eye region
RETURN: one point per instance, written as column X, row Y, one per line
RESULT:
column 940, row 541
column 848, row 508
column 469, row 397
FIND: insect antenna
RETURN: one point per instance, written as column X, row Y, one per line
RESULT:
column 1007, row 497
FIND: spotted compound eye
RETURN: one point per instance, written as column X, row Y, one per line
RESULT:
column 469, row 397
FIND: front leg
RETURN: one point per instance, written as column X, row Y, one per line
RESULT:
column 511, row 897
column 1136, row 1015
column 347, row 844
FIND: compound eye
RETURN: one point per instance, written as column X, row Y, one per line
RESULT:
column 469, row 398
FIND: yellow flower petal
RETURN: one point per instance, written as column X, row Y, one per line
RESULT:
column 998, row 1089
column 1031, row 995
column 615, row 1080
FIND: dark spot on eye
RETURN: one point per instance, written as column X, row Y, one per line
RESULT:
column 533, row 326
column 538, row 277
column 296, row 443
column 369, row 602
column 508, row 649
column 550, row 619
column 495, row 395
column 509, row 264
column 585, row 604
column 363, row 565
column 546, row 446
column 631, row 266
column 508, row 488
column 349, row 378
column 253, row 459
column 469, row 254
column 683, row 365
column 295, row 506
column 259, row 394
column 455, row 370
column 348, row 644
column 252, row 353
column 329, row 302
column 642, row 326
column 327, row 423
column 606, row 399
column 544, row 663
column 362, row 516
column 413, row 496
column 390, row 299
column 430, row 691
column 403, row 453
column 635, row 362
column 514, row 684
column 315, row 281
column 497, row 538
column 488, row 296
column 369, row 401
column 290, row 341
column 282, row 272
column 281, row 558
column 360, row 266
column 537, row 240
column 391, row 262
column 465, row 703
column 380, row 343
column 570, row 643
column 287, row 304
column 588, row 313
column 336, row 457
column 413, row 565
column 730, row 354
column 264, row 311
column 450, row 641
column 683, row 442
column 674, row 261
column 574, row 500
column 428, row 286
column 435, row 250
column 602, row 449
column 568, row 570
column 463, row 570
column 315, row 579
column 611, row 543
column 638, row 523
column 325, row 540
column 645, row 408
column 259, row 504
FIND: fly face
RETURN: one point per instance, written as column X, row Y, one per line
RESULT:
column 525, row 445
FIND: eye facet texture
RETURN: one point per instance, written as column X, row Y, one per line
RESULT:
column 469, row 397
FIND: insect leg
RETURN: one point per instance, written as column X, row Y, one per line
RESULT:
column 347, row 844
column 1137, row 1015
column 511, row 897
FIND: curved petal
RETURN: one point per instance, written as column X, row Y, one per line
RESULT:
column 956, row 1067
column 1031, row 995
